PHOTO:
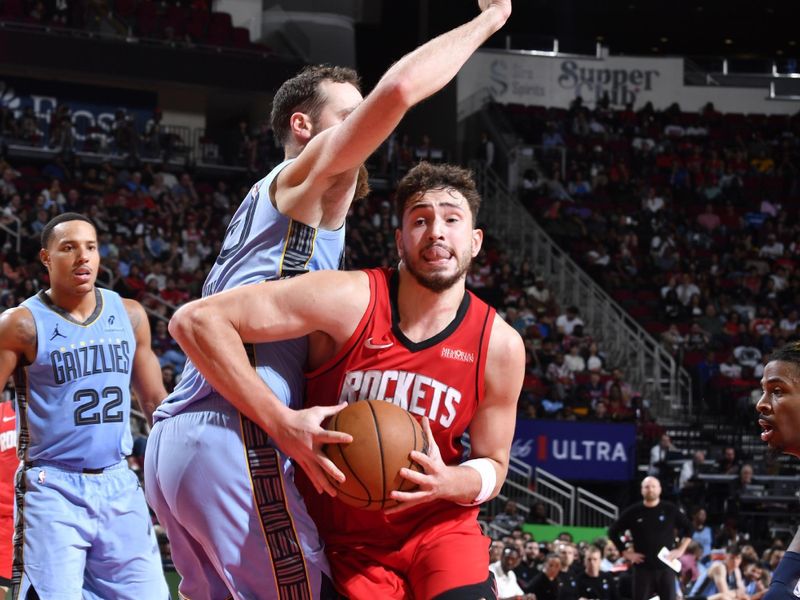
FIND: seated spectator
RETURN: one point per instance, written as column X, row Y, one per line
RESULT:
column 701, row 533
column 510, row 518
column 709, row 220
column 592, row 582
column 600, row 411
column 552, row 138
column 561, row 378
column 730, row 368
column 619, row 409
column 686, row 289
column 673, row 340
column 697, row 339
column 612, row 560
column 505, row 578
column 689, row 560
column 772, row 248
column 548, row 584
column 574, row 360
column 660, row 454
column 671, row 307
column 716, row 579
column 566, row 322
column 653, row 202
column 540, row 296
column 528, row 567
column 729, row 462
column 747, row 353
column 690, row 488
column 790, row 322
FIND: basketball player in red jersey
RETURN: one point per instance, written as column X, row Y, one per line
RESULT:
column 8, row 468
column 412, row 336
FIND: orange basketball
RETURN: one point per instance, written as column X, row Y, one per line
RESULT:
column 383, row 437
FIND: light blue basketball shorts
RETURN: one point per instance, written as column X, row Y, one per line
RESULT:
column 84, row 536
column 237, row 526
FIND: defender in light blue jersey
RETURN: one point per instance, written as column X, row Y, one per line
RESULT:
column 216, row 470
column 779, row 418
column 82, row 527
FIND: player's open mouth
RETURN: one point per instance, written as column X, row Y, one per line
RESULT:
column 767, row 430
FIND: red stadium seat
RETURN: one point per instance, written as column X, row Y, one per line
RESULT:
column 220, row 29
column 240, row 37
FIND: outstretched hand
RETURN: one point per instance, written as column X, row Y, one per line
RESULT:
column 301, row 436
column 432, row 484
column 503, row 5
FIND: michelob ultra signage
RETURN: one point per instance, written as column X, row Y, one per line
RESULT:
column 577, row 451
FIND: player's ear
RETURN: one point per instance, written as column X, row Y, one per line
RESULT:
column 44, row 257
column 301, row 127
column 398, row 242
column 477, row 241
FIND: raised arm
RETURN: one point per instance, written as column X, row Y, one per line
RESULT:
column 146, row 372
column 211, row 331
column 344, row 147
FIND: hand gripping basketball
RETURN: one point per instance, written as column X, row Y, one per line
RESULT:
column 384, row 438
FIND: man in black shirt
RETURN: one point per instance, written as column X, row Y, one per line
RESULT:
column 592, row 584
column 652, row 524
column 548, row 584
column 528, row 568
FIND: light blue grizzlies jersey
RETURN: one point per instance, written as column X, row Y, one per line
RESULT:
column 74, row 401
column 263, row 244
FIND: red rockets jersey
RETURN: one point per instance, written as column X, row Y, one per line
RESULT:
column 441, row 378
column 8, row 457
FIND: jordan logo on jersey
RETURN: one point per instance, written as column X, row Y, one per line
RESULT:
column 56, row 333
column 418, row 394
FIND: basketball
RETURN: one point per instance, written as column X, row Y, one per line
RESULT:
column 383, row 437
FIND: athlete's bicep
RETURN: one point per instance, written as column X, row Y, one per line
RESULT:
column 492, row 427
column 17, row 341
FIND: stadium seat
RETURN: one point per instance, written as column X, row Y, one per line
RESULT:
column 220, row 29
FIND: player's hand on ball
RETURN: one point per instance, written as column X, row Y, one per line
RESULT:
column 433, row 483
column 302, row 437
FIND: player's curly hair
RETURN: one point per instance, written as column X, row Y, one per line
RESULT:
column 426, row 176
column 788, row 353
column 302, row 93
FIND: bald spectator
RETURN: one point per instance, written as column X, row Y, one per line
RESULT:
column 652, row 524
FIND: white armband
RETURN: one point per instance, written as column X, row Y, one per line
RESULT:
column 485, row 469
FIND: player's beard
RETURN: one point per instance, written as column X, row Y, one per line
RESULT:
column 439, row 282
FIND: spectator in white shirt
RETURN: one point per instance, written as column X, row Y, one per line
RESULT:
column 566, row 322
column 790, row 323
column 506, row 579
column 686, row 289
column 574, row 360
column 772, row 248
